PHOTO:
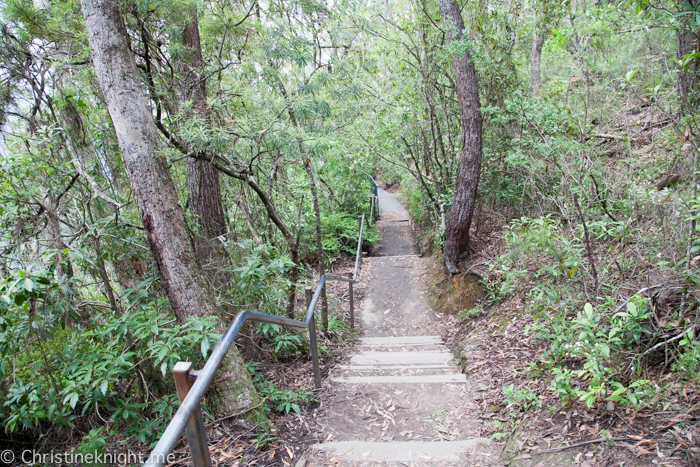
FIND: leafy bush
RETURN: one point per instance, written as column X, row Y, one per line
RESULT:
column 62, row 374
column 340, row 233
column 283, row 401
column 523, row 398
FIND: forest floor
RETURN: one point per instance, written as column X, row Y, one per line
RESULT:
column 496, row 350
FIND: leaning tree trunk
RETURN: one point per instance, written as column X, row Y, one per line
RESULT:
column 153, row 187
column 457, row 230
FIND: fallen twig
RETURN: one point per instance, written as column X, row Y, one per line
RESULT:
column 583, row 443
column 673, row 339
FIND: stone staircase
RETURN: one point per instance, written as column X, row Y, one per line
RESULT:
column 402, row 359
column 399, row 399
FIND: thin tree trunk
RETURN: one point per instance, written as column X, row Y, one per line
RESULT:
column 467, row 182
column 319, row 245
column 153, row 188
column 535, row 61
column 688, row 42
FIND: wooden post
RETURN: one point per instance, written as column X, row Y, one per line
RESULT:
column 196, row 434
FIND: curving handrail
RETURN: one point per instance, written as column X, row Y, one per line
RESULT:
column 204, row 377
column 189, row 416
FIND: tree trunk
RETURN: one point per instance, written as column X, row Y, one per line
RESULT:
column 203, row 186
column 467, row 182
column 153, row 187
column 535, row 60
column 687, row 80
column 319, row 245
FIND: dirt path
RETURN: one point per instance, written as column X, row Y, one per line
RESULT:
column 399, row 399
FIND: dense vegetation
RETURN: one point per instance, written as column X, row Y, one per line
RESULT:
column 590, row 164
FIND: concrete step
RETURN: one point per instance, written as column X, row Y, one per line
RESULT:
column 401, row 340
column 401, row 379
column 418, row 347
column 403, row 358
column 395, row 372
column 408, row 451
column 396, row 367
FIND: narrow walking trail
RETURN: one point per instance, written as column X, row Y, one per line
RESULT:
column 399, row 399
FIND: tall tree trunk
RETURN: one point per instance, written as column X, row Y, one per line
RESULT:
column 688, row 82
column 535, row 61
column 203, row 186
column 153, row 187
column 688, row 42
column 319, row 244
column 467, row 182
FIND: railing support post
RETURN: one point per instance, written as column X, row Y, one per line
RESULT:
column 359, row 248
column 312, row 340
column 352, row 303
column 196, row 434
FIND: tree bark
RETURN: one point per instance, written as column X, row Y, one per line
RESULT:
column 153, row 187
column 688, row 41
column 535, row 61
column 203, row 185
column 319, row 244
column 467, row 182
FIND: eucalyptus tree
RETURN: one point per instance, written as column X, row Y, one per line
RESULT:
column 203, row 187
column 153, row 187
column 467, row 181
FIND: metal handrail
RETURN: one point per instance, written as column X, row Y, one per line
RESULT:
column 205, row 376
column 373, row 199
column 189, row 417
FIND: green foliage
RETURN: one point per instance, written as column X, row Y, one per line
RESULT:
column 469, row 313
column 286, row 400
column 687, row 365
column 261, row 278
column 283, row 401
column 340, row 234
column 282, row 343
column 72, row 371
column 523, row 398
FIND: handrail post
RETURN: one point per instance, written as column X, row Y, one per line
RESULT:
column 352, row 303
column 371, row 209
column 359, row 223
column 196, row 435
column 312, row 340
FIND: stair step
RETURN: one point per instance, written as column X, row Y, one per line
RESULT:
column 401, row 340
column 399, row 379
column 403, row 348
column 402, row 451
column 399, row 358
column 437, row 366
column 386, row 372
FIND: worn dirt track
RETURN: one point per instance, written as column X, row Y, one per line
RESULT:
column 398, row 398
